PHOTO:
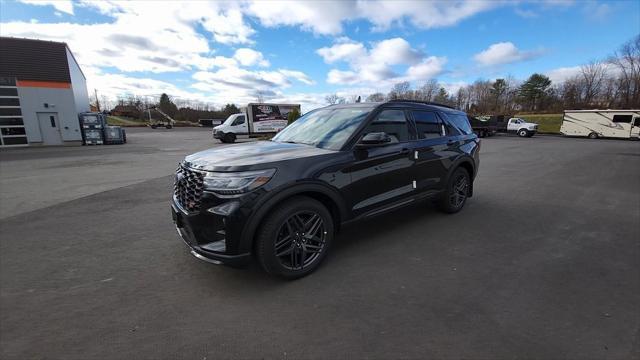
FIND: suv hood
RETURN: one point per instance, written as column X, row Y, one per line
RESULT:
column 247, row 156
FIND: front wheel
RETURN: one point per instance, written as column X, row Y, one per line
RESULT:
column 229, row 138
column 593, row 135
column 456, row 192
column 295, row 238
column 523, row 133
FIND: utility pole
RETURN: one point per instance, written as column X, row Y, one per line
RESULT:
column 97, row 101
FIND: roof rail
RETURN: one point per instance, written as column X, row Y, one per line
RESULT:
column 423, row 102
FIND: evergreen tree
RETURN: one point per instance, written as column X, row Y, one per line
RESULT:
column 167, row 106
column 534, row 91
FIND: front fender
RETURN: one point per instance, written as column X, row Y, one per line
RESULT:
column 281, row 193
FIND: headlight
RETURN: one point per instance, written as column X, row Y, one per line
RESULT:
column 234, row 183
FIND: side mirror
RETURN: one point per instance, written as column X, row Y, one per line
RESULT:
column 374, row 139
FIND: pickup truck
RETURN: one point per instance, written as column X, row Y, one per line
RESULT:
column 521, row 127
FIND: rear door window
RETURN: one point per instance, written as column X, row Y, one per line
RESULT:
column 460, row 123
column 428, row 125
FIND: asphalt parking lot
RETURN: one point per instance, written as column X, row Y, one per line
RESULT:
column 543, row 262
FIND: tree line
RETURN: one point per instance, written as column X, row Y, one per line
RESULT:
column 137, row 107
column 612, row 83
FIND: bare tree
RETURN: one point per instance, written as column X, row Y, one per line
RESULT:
column 627, row 62
column 375, row 97
column 400, row 90
column 428, row 91
column 592, row 76
column 333, row 99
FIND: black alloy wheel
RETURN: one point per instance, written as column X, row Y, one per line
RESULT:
column 457, row 192
column 300, row 240
column 294, row 238
column 460, row 191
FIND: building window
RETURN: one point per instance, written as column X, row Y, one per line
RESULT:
column 10, row 111
column 8, row 92
column 18, row 140
column 622, row 119
column 9, row 102
column 13, row 131
column 11, row 121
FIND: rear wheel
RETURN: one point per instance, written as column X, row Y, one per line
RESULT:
column 456, row 192
column 295, row 238
column 593, row 135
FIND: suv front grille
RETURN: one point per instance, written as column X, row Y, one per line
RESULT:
column 188, row 188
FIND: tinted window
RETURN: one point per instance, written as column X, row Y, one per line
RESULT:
column 427, row 124
column 239, row 120
column 9, row 102
column 622, row 119
column 392, row 122
column 8, row 92
column 460, row 123
column 10, row 111
column 11, row 121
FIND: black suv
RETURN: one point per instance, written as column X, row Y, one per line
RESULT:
column 283, row 200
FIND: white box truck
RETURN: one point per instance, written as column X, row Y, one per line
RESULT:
column 623, row 124
column 256, row 119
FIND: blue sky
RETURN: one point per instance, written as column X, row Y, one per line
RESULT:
column 219, row 52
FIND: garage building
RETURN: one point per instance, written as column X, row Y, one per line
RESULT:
column 42, row 90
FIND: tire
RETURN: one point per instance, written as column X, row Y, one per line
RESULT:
column 289, row 220
column 154, row 126
column 523, row 133
column 229, row 138
column 168, row 126
column 456, row 192
column 593, row 135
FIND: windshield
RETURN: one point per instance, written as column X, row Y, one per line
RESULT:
column 324, row 128
column 230, row 119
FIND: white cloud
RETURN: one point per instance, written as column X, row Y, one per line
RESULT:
column 422, row 14
column 377, row 63
column 559, row 75
column 503, row 53
column 65, row 6
column 347, row 51
column 249, row 57
column 321, row 17
column 237, row 85
column 327, row 17
column 427, row 69
column 526, row 14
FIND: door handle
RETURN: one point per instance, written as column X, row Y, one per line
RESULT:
column 451, row 142
column 404, row 152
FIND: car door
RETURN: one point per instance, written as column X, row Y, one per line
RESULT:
column 239, row 125
column 382, row 175
column 431, row 151
column 635, row 127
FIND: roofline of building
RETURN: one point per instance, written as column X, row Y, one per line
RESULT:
column 50, row 41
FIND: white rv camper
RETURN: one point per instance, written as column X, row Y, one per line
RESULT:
column 623, row 124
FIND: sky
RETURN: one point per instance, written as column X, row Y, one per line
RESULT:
column 299, row 52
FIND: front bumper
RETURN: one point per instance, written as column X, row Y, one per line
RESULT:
column 218, row 134
column 206, row 236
